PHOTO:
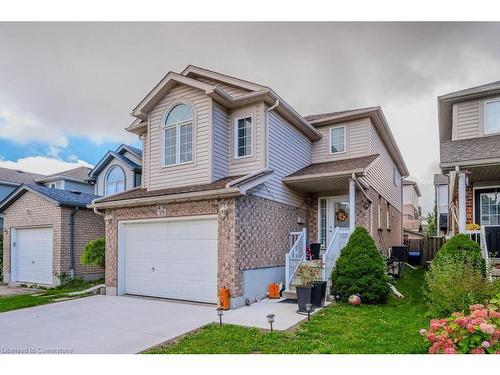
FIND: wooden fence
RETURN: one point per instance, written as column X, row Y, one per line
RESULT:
column 427, row 245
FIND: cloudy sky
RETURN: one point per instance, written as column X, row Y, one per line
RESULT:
column 67, row 89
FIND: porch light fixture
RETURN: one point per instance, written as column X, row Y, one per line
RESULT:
column 270, row 320
column 220, row 312
column 309, row 308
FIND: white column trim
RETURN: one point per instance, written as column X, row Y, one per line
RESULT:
column 462, row 212
column 352, row 205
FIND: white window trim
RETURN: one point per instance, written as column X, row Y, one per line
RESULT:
column 485, row 117
column 330, row 140
column 235, row 136
column 107, row 176
column 177, row 137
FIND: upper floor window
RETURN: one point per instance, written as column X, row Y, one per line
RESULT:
column 337, row 140
column 178, row 135
column 492, row 117
column 243, row 137
column 115, row 181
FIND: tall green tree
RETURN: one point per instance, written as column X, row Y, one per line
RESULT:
column 431, row 218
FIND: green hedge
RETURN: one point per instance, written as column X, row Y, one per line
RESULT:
column 361, row 269
column 94, row 253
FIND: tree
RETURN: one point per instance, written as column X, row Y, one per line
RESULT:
column 94, row 253
column 431, row 228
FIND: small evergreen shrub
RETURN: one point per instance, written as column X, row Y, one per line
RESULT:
column 361, row 269
column 457, row 278
column 94, row 253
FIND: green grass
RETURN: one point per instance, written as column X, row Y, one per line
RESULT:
column 44, row 297
column 390, row 328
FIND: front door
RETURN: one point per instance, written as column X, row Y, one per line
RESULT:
column 333, row 213
column 487, row 204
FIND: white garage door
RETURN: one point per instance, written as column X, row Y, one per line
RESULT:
column 34, row 255
column 171, row 259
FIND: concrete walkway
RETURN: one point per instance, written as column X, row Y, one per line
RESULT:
column 7, row 291
column 108, row 324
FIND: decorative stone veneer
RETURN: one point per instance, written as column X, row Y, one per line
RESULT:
column 30, row 210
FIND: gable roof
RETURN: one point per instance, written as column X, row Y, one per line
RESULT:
column 446, row 101
column 78, row 174
column 15, row 177
column 57, row 196
column 378, row 119
column 119, row 155
column 414, row 184
column 257, row 93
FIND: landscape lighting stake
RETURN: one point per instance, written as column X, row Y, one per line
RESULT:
column 270, row 319
column 309, row 309
column 219, row 314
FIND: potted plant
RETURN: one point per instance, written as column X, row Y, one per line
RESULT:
column 319, row 293
column 308, row 274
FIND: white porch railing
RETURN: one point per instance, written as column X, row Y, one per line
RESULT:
column 479, row 236
column 295, row 256
column 331, row 254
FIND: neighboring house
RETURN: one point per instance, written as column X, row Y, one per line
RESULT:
column 441, row 191
column 10, row 180
column 412, row 211
column 117, row 171
column 235, row 181
column 73, row 179
column 45, row 231
column 469, row 132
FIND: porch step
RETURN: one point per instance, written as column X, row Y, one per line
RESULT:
column 495, row 272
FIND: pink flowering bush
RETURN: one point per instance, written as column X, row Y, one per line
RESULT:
column 476, row 333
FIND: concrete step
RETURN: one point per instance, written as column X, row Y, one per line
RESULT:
column 495, row 272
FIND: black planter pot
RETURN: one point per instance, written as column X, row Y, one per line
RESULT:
column 304, row 296
column 315, row 249
column 319, row 293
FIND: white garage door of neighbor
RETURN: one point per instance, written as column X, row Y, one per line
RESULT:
column 34, row 255
column 172, row 259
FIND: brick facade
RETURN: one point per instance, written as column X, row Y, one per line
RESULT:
column 252, row 233
column 30, row 210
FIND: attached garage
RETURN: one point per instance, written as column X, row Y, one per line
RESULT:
column 32, row 255
column 170, row 258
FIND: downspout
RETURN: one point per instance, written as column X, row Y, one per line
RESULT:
column 272, row 108
column 72, row 241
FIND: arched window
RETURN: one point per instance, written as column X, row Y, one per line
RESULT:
column 178, row 135
column 115, row 181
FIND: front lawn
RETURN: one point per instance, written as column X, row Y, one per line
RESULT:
column 390, row 328
column 44, row 297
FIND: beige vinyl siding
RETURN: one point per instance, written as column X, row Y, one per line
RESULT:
column 145, row 160
column 356, row 144
column 380, row 174
column 246, row 165
column 467, row 120
column 220, row 161
column 231, row 90
column 100, row 187
column 289, row 151
column 197, row 171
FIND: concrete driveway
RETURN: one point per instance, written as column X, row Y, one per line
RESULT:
column 99, row 324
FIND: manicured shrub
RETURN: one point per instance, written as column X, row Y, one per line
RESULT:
column 94, row 253
column 361, row 269
column 475, row 333
column 456, row 278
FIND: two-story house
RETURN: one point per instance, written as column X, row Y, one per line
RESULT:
column 469, row 132
column 412, row 211
column 235, row 182
column 117, row 171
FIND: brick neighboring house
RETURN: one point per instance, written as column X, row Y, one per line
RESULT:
column 468, row 190
column 45, row 231
column 235, row 182
column 412, row 212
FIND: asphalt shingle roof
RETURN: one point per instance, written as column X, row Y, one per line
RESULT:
column 470, row 149
column 64, row 197
column 337, row 166
column 80, row 173
column 17, row 176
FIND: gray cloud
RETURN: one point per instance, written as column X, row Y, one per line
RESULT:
column 84, row 78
